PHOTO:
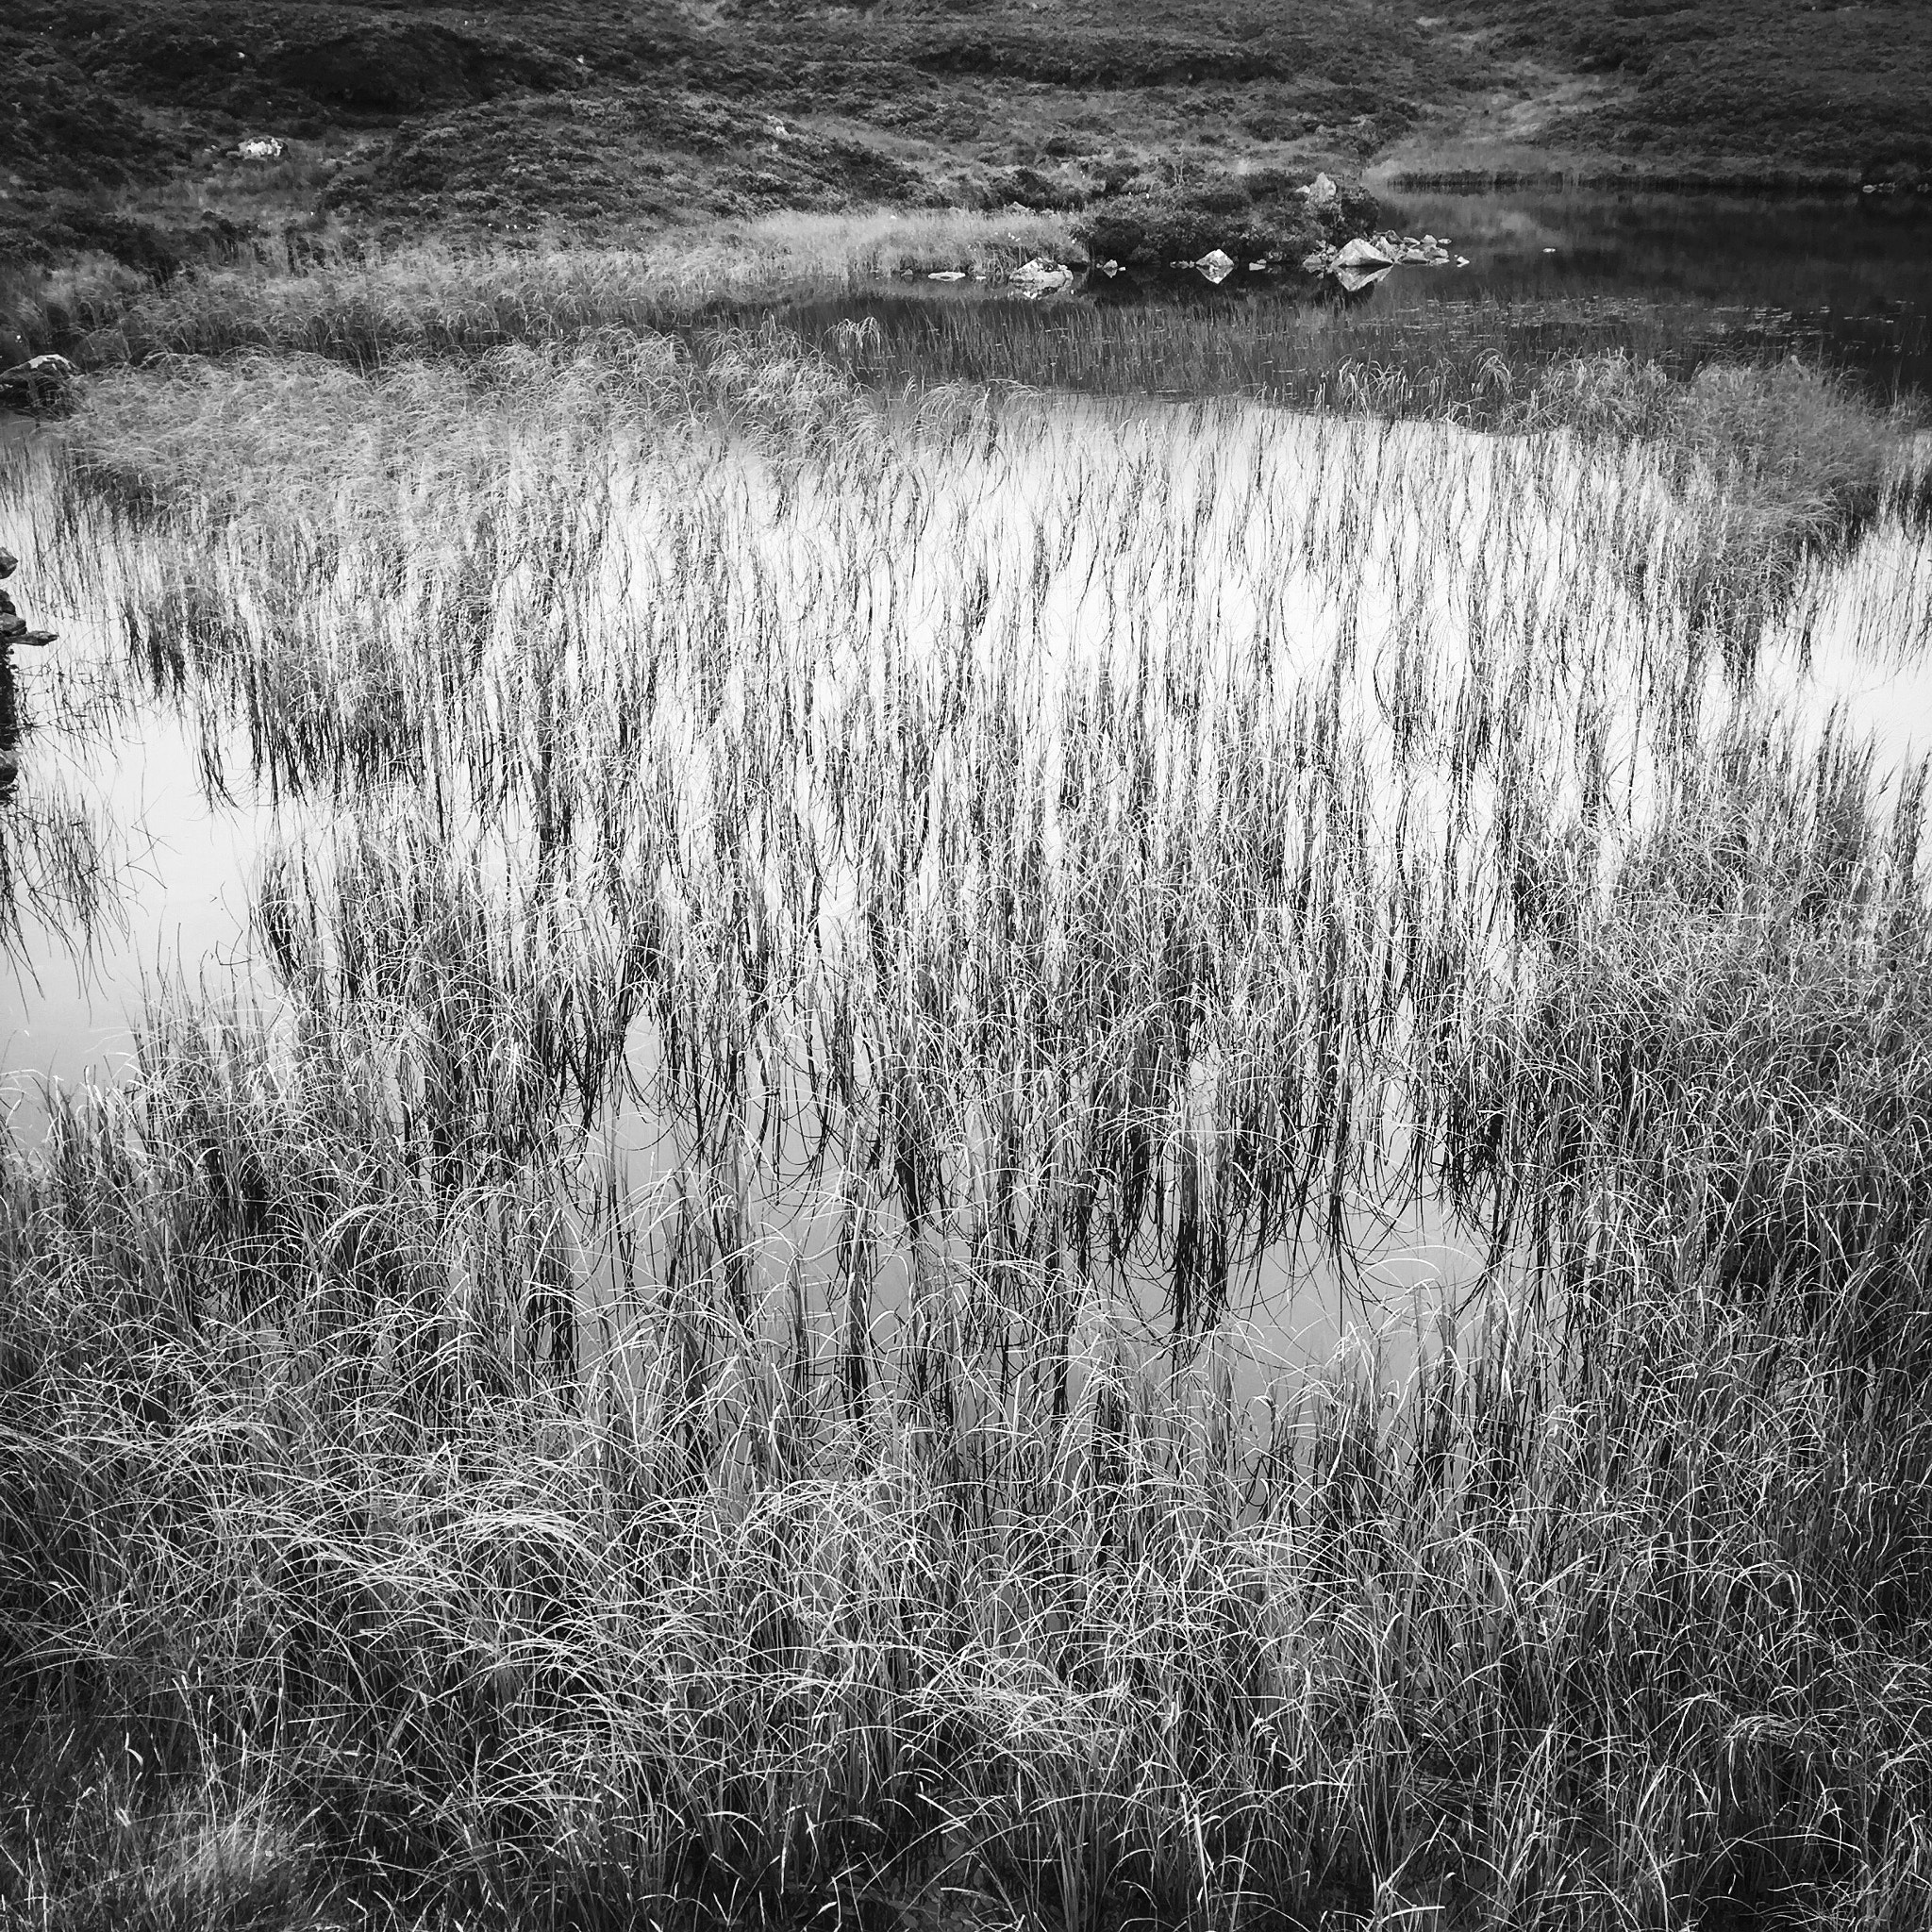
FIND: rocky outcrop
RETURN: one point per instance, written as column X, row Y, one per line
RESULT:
column 1041, row 277
column 1265, row 215
column 1364, row 260
column 40, row 386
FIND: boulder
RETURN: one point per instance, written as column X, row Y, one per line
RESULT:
column 1363, row 255
column 260, row 148
column 1041, row 277
column 9, row 564
column 1320, row 192
column 41, row 385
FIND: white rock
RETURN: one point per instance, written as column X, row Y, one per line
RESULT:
column 1359, row 253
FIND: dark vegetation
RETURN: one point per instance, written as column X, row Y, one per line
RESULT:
column 606, row 122
column 600, row 120
column 1795, row 86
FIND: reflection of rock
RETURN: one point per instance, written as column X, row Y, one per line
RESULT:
column 947, row 274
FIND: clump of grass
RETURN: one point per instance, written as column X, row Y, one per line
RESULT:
column 1533, row 1629
column 1772, row 466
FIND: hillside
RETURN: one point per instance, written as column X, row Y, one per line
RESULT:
column 1799, row 87
column 604, row 121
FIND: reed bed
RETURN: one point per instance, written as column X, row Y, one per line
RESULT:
column 723, row 1336
column 366, row 304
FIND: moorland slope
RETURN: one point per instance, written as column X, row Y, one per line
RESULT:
column 606, row 122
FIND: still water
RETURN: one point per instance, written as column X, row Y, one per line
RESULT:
column 1681, row 278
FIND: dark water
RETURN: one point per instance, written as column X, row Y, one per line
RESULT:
column 1847, row 275
column 1679, row 279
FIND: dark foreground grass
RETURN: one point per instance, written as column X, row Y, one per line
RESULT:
column 328, row 1595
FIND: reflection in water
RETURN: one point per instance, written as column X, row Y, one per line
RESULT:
column 9, row 710
column 1012, row 858
column 9, row 729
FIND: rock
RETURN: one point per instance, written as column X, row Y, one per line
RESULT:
column 947, row 274
column 1041, row 277
column 1320, row 192
column 11, row 628
column 1258, row 268
column 1109, row 268
column 37, row 637
column 1217, row 265
column 1360, row 254
column 40, row 383
column 9, row 564
column 260, row 148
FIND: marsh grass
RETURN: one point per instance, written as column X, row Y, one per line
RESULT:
column 700, row 1362
column 363, row 304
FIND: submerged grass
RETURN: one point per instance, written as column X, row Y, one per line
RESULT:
column 701, row 1363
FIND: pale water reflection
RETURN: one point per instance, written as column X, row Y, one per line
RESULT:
column 1391, row 626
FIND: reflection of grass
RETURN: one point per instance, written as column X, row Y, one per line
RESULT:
column 1049, row 847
